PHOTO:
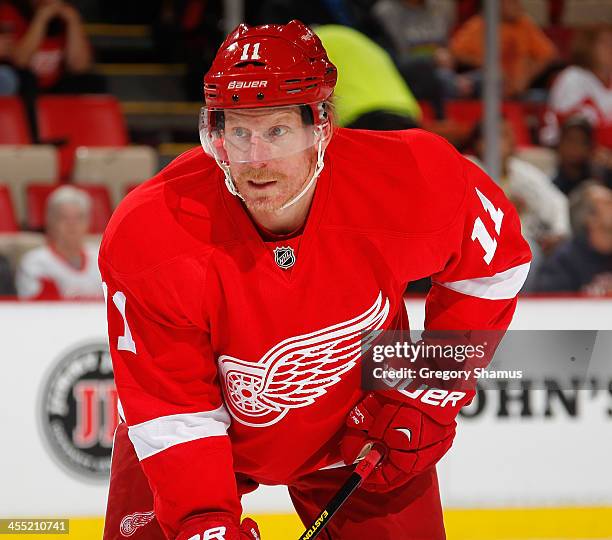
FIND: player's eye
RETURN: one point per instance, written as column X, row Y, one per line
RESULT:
column 277, row 131
column 241, row 133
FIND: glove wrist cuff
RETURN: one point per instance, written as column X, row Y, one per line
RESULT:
column 442, row 406
column 194, row 528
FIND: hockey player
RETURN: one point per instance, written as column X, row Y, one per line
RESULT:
column 241, row 279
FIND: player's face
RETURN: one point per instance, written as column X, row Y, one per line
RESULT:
column 574, row 147
column 271, row 155
column 68, row 225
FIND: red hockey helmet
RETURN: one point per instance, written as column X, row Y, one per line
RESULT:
column 270, row 65
column 260, row 72
column 261, row 69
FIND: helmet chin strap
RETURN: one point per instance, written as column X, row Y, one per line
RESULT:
column 231, row 187
column 229, row 182
column 315, row 174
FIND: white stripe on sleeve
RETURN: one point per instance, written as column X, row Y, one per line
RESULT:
column 161, row 433
column 120, row 410
column 501, row 286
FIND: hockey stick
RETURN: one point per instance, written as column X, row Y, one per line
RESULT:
column 374, row 453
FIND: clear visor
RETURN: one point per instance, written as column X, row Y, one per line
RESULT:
column 256, row 135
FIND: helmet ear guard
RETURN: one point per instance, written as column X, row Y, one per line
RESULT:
column 322, row 110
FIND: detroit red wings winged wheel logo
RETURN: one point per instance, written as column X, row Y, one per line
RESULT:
column 298, row 370
column 132, row 522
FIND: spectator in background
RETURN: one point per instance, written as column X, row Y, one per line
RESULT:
column 585, row 87
column 311, row 13
column 416, row 27
column 578, row 157
column 525, row 50
column 65, row 268
column 370, row 92
column 543, row 209
column 419, row 34
column 584, row 263
column 9, row 80
column 353, row 13
column 189, row 32
column 49, row 49
column 48, row 39
column 7, row 282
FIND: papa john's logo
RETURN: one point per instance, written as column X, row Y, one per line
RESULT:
column 298, row 370
column 79, row 411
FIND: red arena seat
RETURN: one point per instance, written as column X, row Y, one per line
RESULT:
column 73, row 121
column 36, row 201
column 8, row 222
column 101, row 208
column 427, row 112
column 13, row 123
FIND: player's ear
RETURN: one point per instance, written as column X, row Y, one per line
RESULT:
column 329, row 131
column 323, row 133
column 324, row 130
column 327, row 127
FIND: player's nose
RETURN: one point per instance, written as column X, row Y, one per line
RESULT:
column 260, row 151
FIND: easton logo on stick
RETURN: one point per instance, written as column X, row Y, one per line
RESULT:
column 315, row 526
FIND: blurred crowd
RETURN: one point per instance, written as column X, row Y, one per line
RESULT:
column 44, row 48
column 402, row 64
column 66, row 265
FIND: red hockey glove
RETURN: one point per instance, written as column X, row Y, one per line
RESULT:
column 414, row 440
column 219, row 526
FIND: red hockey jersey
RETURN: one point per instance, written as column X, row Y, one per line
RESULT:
column 227, row 364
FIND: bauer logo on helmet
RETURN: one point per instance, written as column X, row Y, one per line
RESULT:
column 247, row 84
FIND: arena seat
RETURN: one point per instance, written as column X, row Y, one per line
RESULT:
column 427, row 112
column 101, row 207
column 13, row 245
column 20, row 164
column 73, row 121
column 36, row 201
column 538, row 10
column 468, row 112
column 37, row 195
column 586, row 12
column 16, row 244
column 115, row 168
column 13, row 122
column 8, row 222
